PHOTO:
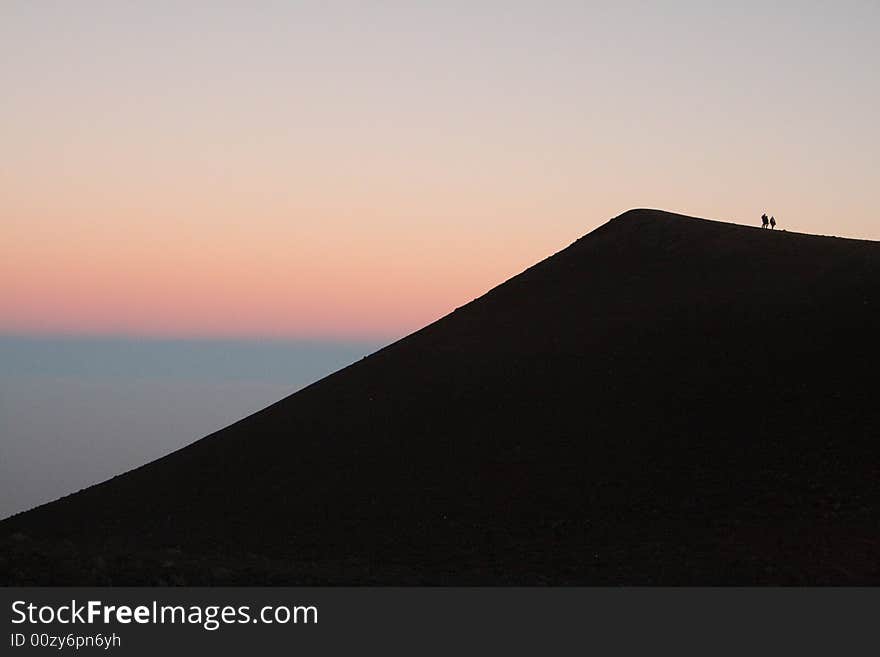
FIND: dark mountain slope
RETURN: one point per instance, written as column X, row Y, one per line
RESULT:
column 668, row 400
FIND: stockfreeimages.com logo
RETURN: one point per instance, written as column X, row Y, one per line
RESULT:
column 210, row 617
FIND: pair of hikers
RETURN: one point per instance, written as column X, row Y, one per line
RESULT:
column 765, row 221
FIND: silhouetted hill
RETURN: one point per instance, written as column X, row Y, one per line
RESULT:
column 668, row 400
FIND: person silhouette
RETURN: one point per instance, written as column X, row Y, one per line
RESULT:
column 764, row 220
column 772, row 223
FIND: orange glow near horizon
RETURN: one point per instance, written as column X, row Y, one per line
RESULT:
column 231, row 282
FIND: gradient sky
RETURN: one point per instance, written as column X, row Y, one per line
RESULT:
column 357, row 169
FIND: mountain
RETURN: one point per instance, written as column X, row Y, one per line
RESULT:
column 669, row 400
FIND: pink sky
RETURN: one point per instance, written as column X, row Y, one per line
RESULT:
column 315, row 172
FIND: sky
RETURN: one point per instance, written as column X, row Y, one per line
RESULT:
column 354, row 170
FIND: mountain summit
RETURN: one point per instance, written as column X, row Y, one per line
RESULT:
column 669, row 400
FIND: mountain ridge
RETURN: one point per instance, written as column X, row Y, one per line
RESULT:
column 666, row 392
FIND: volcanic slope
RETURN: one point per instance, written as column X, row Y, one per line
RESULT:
column 669, row 400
